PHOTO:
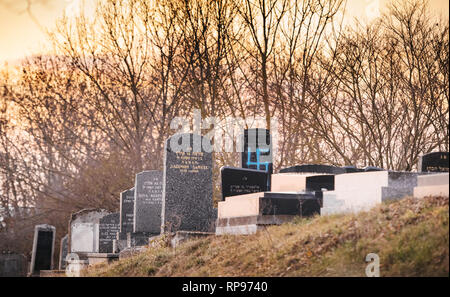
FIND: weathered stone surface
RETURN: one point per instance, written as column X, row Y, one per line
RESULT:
column 84, row 230
column 126, row 213
column 13, row 265
column 148, row 202
column 43, row 249
column 250, row 224
column 63, row 251
column 109, row 225
column 434, row 162
column 135, row 239
column 239, row 181
column 187, row 202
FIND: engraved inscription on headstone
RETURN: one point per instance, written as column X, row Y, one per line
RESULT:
column 108, row 228
column 434, row 162
column 187, row 203
column 239, row 181
column 147, row 202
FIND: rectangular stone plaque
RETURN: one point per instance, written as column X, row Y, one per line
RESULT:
column 147, row 202
column 108, row 228
column 239, row 181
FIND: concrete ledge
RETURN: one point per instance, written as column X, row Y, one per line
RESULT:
column 424, row 191
column 52, row 273
column 433, row 180
column 238, row 230
column 95, row 258
column 255, row 220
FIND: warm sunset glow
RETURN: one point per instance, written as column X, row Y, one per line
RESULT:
column 20, row 35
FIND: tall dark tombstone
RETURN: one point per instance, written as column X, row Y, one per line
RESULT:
column 43, row 248
column 257, row 151
column 63, row 251
column 187, row 203
column 239, row 181
column 148, row 202
column 126, row 213
column 108, row 227
column 434, row 162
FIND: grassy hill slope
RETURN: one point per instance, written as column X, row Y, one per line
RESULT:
column 410, row 236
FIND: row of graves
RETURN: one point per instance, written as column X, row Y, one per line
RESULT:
column 178, row 200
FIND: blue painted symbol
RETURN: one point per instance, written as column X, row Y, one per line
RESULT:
column 258, row 163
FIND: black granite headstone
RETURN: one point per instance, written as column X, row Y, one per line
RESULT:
column 434, row 162
column 304, row 204
column 187, row 194
column 43, row 245
column 239, row 181
column 126, row 213
column 107, row 232
column 148, row 202
column 257, row 151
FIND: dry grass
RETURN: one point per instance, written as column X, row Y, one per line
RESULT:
column 410, row 236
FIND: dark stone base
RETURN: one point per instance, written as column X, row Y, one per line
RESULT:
column 139, row 238
column 301, row 204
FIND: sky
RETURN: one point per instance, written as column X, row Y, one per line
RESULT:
column 20, row 35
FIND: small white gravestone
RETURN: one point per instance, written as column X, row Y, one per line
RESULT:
column 84, row 230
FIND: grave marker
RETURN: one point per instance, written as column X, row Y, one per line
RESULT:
column 43, row 247
column 187, row 203
column 108, row 228
column 148, row 202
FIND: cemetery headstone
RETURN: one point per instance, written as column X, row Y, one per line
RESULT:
column 126, row 213
column 239, row 181
column 434, row 162
column 84, row 231
column 147, row 202
column 63, row 251
column 12, row 265
column 43, row 247
column 108, row 228
column 187, row 203
column 257, row 151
